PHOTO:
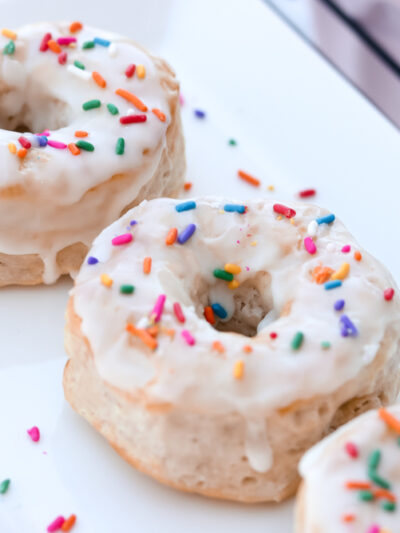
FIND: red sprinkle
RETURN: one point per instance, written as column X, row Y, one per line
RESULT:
column 62, row 58
column 44, row 43
column 287, row 212
column 23, row 141
column 273, row 335
column 130, row 71
column 133, row 119
column 178, row 312
column 388, row 294
column 34, row 433
column 351, row 449
column 307, row 192
column 209, row 314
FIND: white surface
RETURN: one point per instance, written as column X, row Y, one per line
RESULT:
column 298, row 124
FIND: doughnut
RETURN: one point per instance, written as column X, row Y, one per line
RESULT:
column 90, row 126
column 351, row 479
column 212, row 342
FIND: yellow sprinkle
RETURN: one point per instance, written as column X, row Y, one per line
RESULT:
column 72, row 45
column 238, row 369
column 254, row 243
column 221, row 212
column 9, row 34
column 232, row 268
column 342, row 272
column 279, row 217
column 141, row 71
column 12, row 148
column 234, row 284
column 271, row 187
column 106, row 280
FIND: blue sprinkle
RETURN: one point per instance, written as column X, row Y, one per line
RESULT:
column 219, row 310
column 234, row 208
column 92, row 260
column 332, row 284
column 328, row 219
column 42, row 140
column 101, row 42
column 186, row 233
column 338, row 305
column 348, row 328
column 185, row 206
column 133, row 222
column 199, row 113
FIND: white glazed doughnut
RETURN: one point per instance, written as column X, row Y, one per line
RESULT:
column 59, row 189
column 352, row 478
column 228, row 410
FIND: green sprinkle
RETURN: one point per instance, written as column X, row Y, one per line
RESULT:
column 4, row 486
column 297, row 340
column 79, row 64
column 120, row 147
column 88, row 44
column 91, row 104
column 325, row 345
column 223, row 274
column 366, row 495
column 376, row 478
column 112, row 109
column 84, row 145
column 232, row 142
column 374, row 459
column 9, row 48
column 127, row 289
column 389, row 506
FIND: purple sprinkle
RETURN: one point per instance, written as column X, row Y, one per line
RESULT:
column 92, row 260
column 199, row 113
column 338, row 305
column 186, row 233
column 347, row 327
column 42, row 140
column 133, row 222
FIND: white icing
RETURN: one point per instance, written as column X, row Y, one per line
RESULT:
column 197, row 376
column 41, row 93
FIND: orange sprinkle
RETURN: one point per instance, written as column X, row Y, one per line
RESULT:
column 98, row 78
column 75, row 26
column 69, row 523
column 348, row 518
column 390, row 420
column 54, row 46
column 159, row 114
column 143, row 335
column 141, row 71
column 171, row 236
column 106, row 280
column 187, row 186
column 358, row 485
column 81, row 133
column 147, row 265
column 9, row 34
column 357, row 256
column 22, row 153
column 218, row 346
column 384, row 494
column 248, row 178
column 247, row 348
column 238, row 369
column 169, row 332
column 153, row 330
column 74, row 149
column 321, row 274
column 132, row 99
column 12, row 148
column 209, row 314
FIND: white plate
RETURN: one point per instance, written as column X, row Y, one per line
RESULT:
column 298, row 124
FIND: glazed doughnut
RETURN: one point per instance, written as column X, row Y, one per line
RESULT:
column 212, row 343
column 90, row 127
column 351, row 480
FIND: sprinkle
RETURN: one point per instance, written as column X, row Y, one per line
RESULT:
column 159, row 114
column 130, row 97
column 62, row 58
column 34, row 433
column 271, row 188
column 351, row 449
column 185, row 206
column 374, row 529
column 120, row 146
column 321, row 274
column 235, row 208
column 342, row 272
column 209, row 314
column 219, row 310
column 54, row 46
column 346, row 249
column 106, row 280
column 253, row 243
column 232, row 268
column 73, row 149
column 389, row 506
column 44, row 42
column 384, row 494
column 69, row 523
column 312, row 228
column 102, row 42
column 218, row 347
column 159, row 307
column 9, row 34
column 338, row 305
column 221, row 274
column 4, row 485
column 392, row 422
column 232, row 142
column 91, row 104
column 248, row 178
column 357, row 256
column 327, row 219
column 22, row 153
column 358, row 485
column 125, row 238
column 366, row 496
column 65, row 41
column 9, row 48
column 178, row 312
column 374, row 459
column 81, row 133
column 79, row 73
column 234, row 284
column 147, row 265
column 285, row 211
column 199, row 113
column 12, row 148
column 378, row 480
column 92, row 260
column 56, row 524
column 127, row 289
column 306, row 193
column 388, row 294
column 329, row 285
column 141, row 71
column 133, row 119
column 130, row 70
column 75, row 27
column 185, row 234
column 297, row 340
column 79, row 65
column 348, row 518
column 348, row 328
column 42, row 140
column 187, row 186
column 56, row 144
column 325, row 345
column 273, row 335
column 112, row 109
column 188, row 337
column 98, row 78
column 143, row 335
column 309, row 245
column 238, row 369
column 171, row 236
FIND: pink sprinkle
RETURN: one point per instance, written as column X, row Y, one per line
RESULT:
column 62, row 58
column 65, row 41
column 56, row 524
column 178, row 312
column 34, row 433
column 46, row 133
column 346, row 249
column 122, row 239
column 57, row 144
column 159, row 307
column 188, row 337
column 309, row 245
column 181, row 99
column 351, row 449
column 374, row 529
